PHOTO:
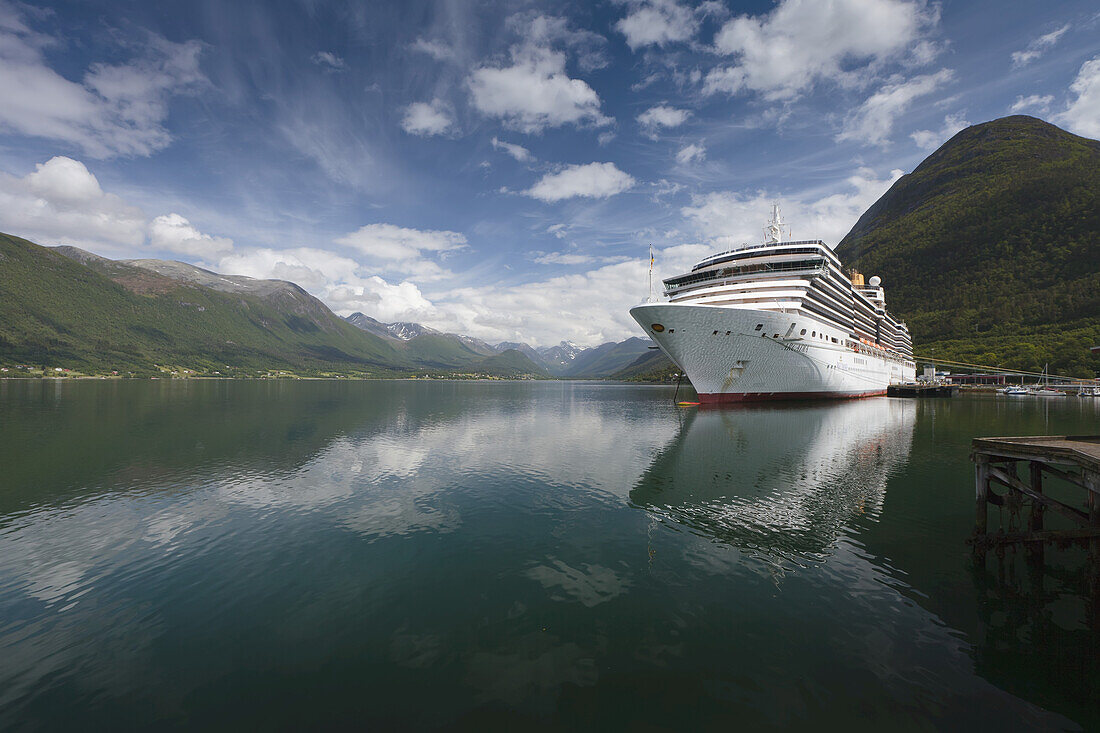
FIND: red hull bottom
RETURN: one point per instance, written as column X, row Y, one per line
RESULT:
column 719, row 397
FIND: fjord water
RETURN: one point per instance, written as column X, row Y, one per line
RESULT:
column 426, row 554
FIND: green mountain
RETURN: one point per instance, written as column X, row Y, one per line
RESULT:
column 67, row 308
column 990, row 248
column 509, row 363
column 607, row 359
column 652, row 366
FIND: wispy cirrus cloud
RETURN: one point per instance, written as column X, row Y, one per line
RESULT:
column 873, row 121
column 1038, row 47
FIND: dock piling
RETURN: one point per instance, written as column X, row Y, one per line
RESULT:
column 1073, row 459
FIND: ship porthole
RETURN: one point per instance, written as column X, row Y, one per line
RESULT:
column 657, row 327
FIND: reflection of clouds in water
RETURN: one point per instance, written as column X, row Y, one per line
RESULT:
column 416, row 651
column 592, row 586
column 532, row 671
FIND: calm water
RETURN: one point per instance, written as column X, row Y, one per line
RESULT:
column 424, row 554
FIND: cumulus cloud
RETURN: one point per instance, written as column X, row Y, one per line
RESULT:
column 534, row 92
column 800, row 42
column 657, row 23
column 173, row 233
column 690, row 154
column 520, row 153
column 730, row 219
column 438, row 50
column 593, row 180
column 410, row 252
column 1038, row 47
column 61, row 202
column 932, row 139
column 1036, row 102
column 662, row 116
column 874, row 120
column 113, row 110
column 1082, row 116
column 328, row 61
column 426, row 119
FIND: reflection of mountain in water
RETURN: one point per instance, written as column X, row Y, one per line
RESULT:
column 781, row 481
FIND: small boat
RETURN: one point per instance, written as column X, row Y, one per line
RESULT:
column 1015, row 391
column 1046, row 392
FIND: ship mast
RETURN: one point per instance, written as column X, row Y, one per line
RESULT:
column 774, row 230
column 650, row 298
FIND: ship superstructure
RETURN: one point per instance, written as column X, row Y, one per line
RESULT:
column 778, row 320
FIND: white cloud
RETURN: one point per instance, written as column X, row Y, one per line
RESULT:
column 173, row 233
column 874, row 120
column 409, row 252
column 1082, row 116
column 436, row 49
column 61, row 202
column 328, row 61
column 548, row 31
column 932, row 139
column 520, row 153
column 341, row 282
column 114, row 110
column 426, row 119
column 1039, row 103
column 691, row 153
column 657, row 23
column 535, row 92
column 729, row 219
column 800, row 42
column 1038, row 47
column 662, row 116
column 594, row 180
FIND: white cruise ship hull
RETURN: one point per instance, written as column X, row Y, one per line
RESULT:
column 741, row 354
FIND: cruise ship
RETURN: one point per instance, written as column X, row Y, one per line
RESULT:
column 779, row 320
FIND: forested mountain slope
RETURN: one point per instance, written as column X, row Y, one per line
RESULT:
column 990, row 248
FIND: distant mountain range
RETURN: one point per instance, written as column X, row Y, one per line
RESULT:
column 65, row 307
column 564, row 360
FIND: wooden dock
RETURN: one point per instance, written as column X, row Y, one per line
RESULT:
column 922, row 390
column 1073, row 459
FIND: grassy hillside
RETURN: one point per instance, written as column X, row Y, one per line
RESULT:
column 990, row 248
column 55, row 311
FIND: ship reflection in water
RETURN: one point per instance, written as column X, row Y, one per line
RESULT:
column 779, row 482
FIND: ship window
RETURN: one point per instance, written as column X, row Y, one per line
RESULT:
column 814, row 334
column 727, row 333
column 759, row 326
column 802, row 332
column 834, row 340
column 714, row 334
column 776, row 336
column 672, row 330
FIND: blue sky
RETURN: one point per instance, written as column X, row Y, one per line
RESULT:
column 498, row 168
